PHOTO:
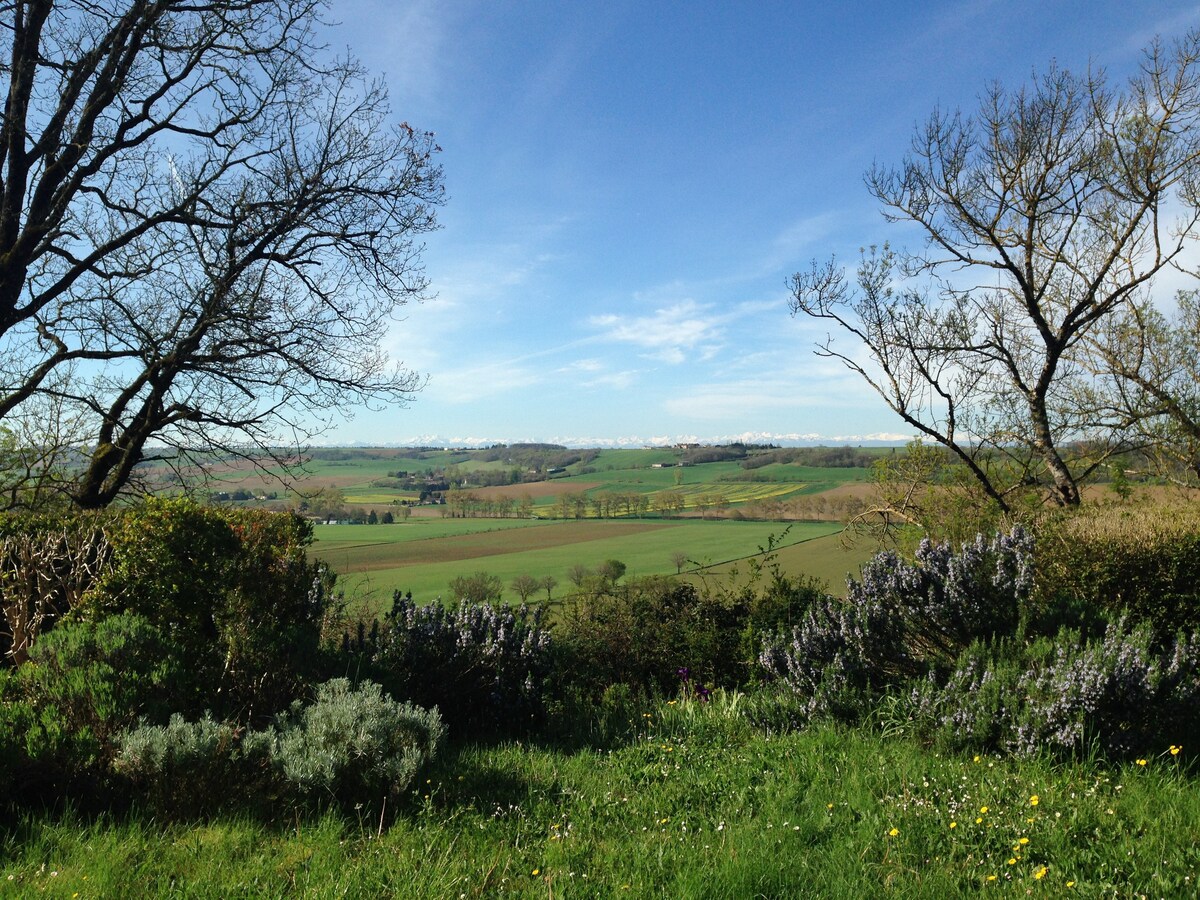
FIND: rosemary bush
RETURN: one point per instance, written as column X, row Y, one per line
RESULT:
column 901, row 621
column 484, row 667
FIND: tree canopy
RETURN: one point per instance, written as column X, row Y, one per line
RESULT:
column 206, row 224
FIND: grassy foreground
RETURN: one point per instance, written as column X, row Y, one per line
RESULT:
column 697, row 804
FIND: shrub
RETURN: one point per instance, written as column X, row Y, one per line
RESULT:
column 902, row 620
column 1144, row 559
column 349, row 745
column 974, row 709
column 485, row 667
column 643, row 632
column 232, row 589
column 47, row 562
column 1115, row 693
column 86, row 682
column 1068, row 695
column 355, row 744
column 186, row 769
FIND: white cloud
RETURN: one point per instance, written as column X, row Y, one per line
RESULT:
column 668, row 332
column 466, row 385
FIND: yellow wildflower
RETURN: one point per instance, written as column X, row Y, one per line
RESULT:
column 1141, row 762
column 953, row 824
column 893, row 832
column 1023, row 841
column 1041, row 873
column 983, row 809
column 1175, row 750
column 1034, row 800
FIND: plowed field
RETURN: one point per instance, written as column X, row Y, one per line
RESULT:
column 369, row 557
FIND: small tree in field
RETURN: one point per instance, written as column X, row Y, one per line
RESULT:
column 481, row 587
column 611, row 570
column 578, row 574
column 524, row 585
column 678, row 560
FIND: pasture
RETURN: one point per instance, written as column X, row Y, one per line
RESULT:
column 423, row 555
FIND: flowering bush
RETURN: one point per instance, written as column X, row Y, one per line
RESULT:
column 902, row 620
column 1066, row 694
column 485, row 667
column 1116, row 692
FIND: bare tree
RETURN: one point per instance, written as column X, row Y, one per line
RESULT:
column 524, row 585
column 206, row 224
column 1044, row 214
column 1147, row 360
column 578, row 573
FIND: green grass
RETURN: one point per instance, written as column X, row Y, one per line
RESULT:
column 824, row 558
column 413, row 529
column 697, row 805
column 646, row 548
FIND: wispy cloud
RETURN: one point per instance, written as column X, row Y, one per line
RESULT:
column 466, row 385
column 672, row 334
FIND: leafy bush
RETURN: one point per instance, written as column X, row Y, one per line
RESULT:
column 901, row 621
column 232, row 589
column 485, row 667
column 1144, row 559
column 86, row 682
column 643, row 632
column 355, row 744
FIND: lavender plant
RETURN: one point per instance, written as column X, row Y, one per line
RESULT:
column 351, row 744
column 355, row 744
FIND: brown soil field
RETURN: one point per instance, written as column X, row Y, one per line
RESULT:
column 490, row 543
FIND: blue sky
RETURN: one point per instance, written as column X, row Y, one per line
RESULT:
column 630, row 184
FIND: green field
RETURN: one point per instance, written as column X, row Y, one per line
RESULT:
column 422, row 556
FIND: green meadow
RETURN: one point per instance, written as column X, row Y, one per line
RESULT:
column 423, row 555
column 694, row 803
